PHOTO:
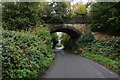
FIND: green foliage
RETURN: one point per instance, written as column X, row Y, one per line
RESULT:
column 26, row 54
column 20, row 15
column 78, row 10
column 84, row 40
column 44, row 34
column 105, row 17
column 23, row 15
column 55, row 36
column 65, row 40
column 54, row 39
column 55, row 12
column 59, row 45
column 113, row 64
column 108, row 48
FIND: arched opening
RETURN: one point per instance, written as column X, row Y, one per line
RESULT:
column 68, row 34
column 60, row 40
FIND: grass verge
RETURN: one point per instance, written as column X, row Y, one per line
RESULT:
column 111, row 64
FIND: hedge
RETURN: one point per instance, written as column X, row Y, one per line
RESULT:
column 26, row 54
column 112, row 64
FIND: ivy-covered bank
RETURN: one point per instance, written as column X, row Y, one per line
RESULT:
column 26, row 54
column 106, row 52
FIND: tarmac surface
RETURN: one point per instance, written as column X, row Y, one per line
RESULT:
column 67, row 65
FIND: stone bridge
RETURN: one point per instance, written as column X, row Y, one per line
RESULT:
column 74, row 30
column 73, row 27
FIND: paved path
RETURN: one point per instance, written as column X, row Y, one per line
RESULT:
column 68, row 65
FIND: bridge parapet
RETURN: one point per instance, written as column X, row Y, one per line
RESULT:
column 80, row 28
column 78, row 20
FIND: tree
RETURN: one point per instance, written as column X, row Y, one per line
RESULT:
column 79, row 10
column 105, row 17
column 55, row 12
column 20, row 15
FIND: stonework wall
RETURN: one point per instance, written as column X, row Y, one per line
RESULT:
column 80, row 28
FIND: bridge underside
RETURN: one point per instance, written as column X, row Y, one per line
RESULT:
column 71, row 31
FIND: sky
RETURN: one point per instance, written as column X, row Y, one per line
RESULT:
column 83, row 1
column 74, row 1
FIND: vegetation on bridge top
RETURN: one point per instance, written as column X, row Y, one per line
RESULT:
column 19, row 16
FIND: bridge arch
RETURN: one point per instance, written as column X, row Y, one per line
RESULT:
column 70, row 30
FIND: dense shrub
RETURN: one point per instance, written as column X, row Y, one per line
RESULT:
column 108, row 48
column 44, row 35
column 83, row 41
column 26, row 54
